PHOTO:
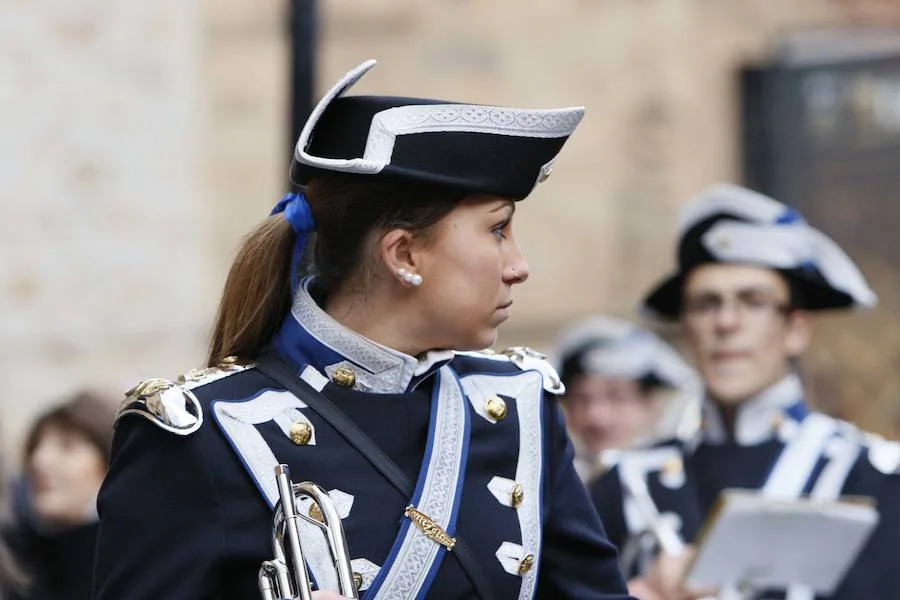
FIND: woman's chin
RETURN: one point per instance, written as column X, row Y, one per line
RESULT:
column 480, row 341
column 53, row 513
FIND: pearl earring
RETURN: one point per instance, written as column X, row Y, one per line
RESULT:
column 413, row 279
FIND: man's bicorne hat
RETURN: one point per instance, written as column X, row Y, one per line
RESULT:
column 730, row 224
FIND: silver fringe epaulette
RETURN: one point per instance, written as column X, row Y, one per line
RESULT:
column 173, row 406
column 527, row 359
column 197, row 377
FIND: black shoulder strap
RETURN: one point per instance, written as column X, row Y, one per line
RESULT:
column 283, row 373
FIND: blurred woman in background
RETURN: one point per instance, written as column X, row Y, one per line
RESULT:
column 55, row 529
column 11, row 575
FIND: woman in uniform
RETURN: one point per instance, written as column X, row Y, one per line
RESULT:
column 450, row 468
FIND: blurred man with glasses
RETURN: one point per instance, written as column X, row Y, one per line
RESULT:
column 750, row 272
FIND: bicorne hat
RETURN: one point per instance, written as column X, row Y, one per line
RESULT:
column 480, row 149
column 730, row 224
column 617, row 349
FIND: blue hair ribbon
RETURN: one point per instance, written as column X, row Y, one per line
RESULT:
column 295, row 210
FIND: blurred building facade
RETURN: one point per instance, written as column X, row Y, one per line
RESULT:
column 144, row 138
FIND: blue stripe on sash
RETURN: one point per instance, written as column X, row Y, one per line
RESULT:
column 445, row 457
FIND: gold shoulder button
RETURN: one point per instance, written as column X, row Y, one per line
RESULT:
column 344, row 377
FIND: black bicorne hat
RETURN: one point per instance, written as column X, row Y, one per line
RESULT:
column 479, row 149
column 730, row 224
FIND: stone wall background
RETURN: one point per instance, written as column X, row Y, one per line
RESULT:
column 141, row 140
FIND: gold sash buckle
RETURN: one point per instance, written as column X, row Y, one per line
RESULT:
column 432, row 530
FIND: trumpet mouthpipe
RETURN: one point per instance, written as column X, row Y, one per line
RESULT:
column 301, row 583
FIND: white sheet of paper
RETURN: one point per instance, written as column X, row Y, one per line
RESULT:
column 768, row 543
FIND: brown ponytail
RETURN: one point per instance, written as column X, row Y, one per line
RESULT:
column 347, row 210
column 257, row 293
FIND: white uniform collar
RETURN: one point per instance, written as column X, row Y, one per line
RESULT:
column 759, row 418
column 310, row 336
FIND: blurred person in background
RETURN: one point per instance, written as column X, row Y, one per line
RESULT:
column 12, row 578
column 624, row 386
column 751, row 270
column 450, row 468
column 54, row 533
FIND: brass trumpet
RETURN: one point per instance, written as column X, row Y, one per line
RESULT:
column 286, row 577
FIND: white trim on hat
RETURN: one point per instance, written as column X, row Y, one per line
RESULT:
column 430, row 118
column 352, row 165
column 625, row 351
column 471, row 118
column 788, row 246
column 727, row 198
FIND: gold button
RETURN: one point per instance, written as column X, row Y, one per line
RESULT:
column 496, row 408
column 315, row 513
column 673, row 466
column 344, row 377
column 301, row 433
column 517, row 495
column 526, row 564
column 357, row 580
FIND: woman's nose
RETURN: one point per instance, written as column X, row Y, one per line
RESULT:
column 517, row 269
column 517, row 272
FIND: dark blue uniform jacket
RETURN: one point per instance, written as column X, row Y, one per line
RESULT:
column 190, row 517
column 686, row 478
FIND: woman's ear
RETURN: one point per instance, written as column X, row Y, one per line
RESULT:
column 396, row 251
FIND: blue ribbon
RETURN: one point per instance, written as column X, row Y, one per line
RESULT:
column 797, row 411
column 791, row 217
column 296, row 211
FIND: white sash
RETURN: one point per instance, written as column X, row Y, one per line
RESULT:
column 640, row 510
column 414, row 559
column 795, row 466
column 799, row 458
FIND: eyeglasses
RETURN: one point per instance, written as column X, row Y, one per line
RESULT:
column 746, row 305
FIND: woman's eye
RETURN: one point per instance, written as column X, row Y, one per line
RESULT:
column 500, row 230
